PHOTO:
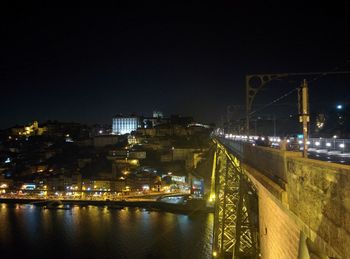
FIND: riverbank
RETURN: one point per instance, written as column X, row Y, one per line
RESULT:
column 198, row 206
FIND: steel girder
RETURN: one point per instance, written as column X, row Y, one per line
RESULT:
column 236, row 210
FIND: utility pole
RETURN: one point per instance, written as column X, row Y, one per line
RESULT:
column 256, row 126
column 304, row 117
column 274, row 125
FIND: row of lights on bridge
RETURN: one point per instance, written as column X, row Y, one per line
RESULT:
column 277, row 139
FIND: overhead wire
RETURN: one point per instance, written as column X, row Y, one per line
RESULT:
column 330, row 71
column 317, row 77
column 274, row 101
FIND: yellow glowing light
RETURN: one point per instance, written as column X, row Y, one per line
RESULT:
column 212, row 197
column 4, row 186
column 134, row 161
column 215, row 253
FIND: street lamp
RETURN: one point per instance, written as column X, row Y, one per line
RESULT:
column 334, row 138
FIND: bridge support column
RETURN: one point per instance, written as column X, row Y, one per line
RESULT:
column 236, row 210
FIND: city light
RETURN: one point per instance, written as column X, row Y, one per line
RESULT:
column 103, row 175
column 212, row 197
column 28, row 187
column 134, row 162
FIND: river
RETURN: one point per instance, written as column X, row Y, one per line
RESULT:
column 97, row 232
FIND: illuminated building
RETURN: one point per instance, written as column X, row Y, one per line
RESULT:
column 124, row 125
column 142, row 181
column 157, row 114
column 197, row 185
column 29, row 130
column 133, row 140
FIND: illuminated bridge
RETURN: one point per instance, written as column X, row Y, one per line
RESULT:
column 276, row 204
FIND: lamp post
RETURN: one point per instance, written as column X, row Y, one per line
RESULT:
column 342, row 146
column 334, row 138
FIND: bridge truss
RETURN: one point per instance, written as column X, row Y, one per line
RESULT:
column 236, row 224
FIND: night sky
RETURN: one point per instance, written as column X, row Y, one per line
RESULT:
column 87, row 65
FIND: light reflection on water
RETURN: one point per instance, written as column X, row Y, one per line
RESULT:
column 96, row 232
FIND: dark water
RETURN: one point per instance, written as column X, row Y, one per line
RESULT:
column 96, row 232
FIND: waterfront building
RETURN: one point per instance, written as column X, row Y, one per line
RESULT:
column 197, row 184
column 5, row 184
column 64, row 183
column 142, row 181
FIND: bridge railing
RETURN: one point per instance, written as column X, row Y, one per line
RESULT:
column 269, row 161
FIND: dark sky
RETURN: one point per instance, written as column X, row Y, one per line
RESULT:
column 88, row 64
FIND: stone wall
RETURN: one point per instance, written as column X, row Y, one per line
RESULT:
column 279, row 234
column 319, row 195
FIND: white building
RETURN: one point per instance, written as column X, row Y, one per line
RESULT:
column 124, row 125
